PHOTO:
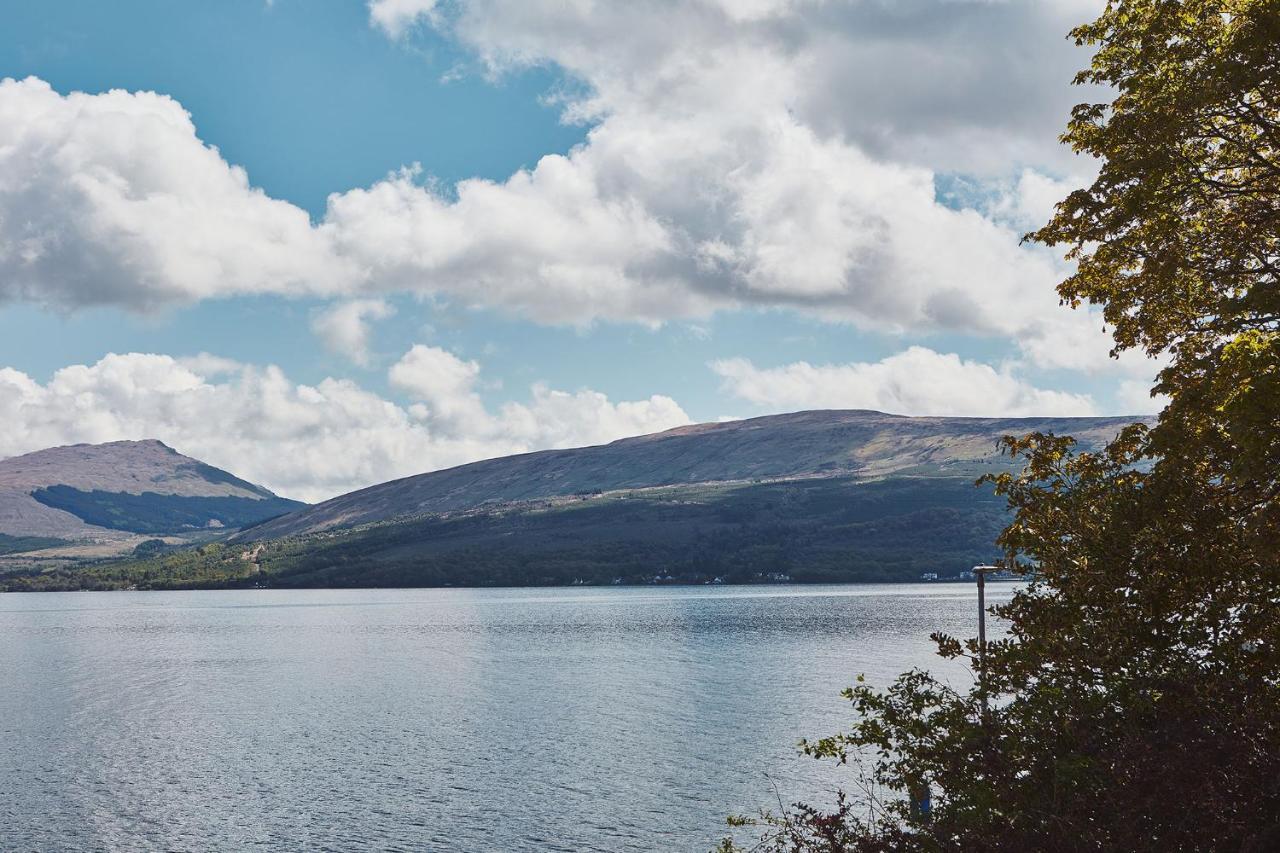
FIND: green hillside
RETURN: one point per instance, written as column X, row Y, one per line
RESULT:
column 23, row 544
column 151, row 512
column 808, row 531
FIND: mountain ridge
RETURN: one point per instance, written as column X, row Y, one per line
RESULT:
column 828, row 496
column 856, row 443
column 110, row 491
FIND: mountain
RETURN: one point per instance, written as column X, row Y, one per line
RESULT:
column 115, row 491
column 857, row 444
column 827, row 496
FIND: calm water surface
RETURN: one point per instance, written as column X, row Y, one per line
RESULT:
column 478, row 720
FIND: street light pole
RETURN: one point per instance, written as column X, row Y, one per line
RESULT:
column 981, row 572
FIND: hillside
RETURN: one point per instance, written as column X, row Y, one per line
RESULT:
column 810, row 497
column 859, row 444
column 832, row 529
column 119, row 491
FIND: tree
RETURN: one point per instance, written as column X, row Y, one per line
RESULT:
column 1135, row 704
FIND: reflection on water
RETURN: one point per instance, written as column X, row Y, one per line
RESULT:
column 619, row 719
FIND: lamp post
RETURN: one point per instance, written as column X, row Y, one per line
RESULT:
column 981, row 572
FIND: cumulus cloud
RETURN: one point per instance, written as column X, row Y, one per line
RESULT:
column 790, row 148
column 1133, row 396
column 304, row 441
column 969, row 86
column 1027, row 201
column 113, row 199
column 444, row 386
column 395, row 16
column 344, row 326
column 917, row 381
column 773, row 152
column 1079, row 341
column 563, row 419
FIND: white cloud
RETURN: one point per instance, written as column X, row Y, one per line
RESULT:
column 1028, row 201
column 304, row 441
column 545, row 244
column 445, row 384
column 771, row 152
column 1134, row 397
column 1078, row 341
column 344, row 326
column 446, row 387
column 395, row 16
column 917, row 381
column 785, row 153
column 968, row 86
column 113, row 199
column 563, row 419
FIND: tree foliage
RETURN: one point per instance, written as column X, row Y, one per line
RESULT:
column 1135, row 703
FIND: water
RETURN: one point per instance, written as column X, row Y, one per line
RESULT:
column 487, row 720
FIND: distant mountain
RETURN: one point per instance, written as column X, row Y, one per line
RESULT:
column 95, row 492
column 812, row 496
column 863, row 445
column 830, row 496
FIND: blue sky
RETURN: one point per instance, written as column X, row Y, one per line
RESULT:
column 848, row 237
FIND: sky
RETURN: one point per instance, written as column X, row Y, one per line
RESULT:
column 327, row 243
